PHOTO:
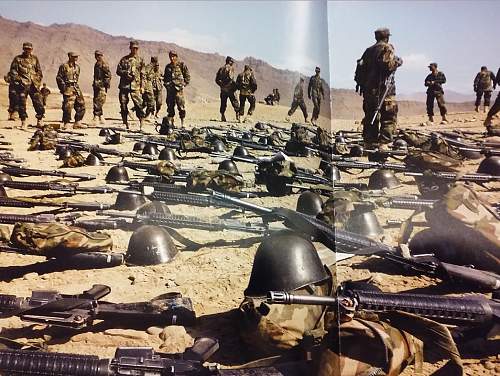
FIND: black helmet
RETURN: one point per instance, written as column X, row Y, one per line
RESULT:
column 4, row 177
column 139, row 146
column 114, row 139
column 470, row 153
column 399, row 144
column 260, row 126
column 309, row 203
column 92, row 160
column 167, row 154
column 150, row 245
column 104, row 132
column 285, row 262
column 247, row 136
column 229, row 166
column 364, row 223
column 340, row 139
column 356, row 151
column 64, row 153
column 264, row 140
column 150, row 149
column 154, row 207
column 117, row 174
column 240, row 151
column 129, row 201
column 332, row 172
column 218, row 146
column 383, row 178
column 490, row 166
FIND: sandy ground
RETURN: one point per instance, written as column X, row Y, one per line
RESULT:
column 213, row 277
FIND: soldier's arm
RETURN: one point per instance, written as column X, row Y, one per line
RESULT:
column 388, row 60
column 13, row 70
column 494, row 80
column 321, row 89
column 107, row 75
column 60, row 79
column 121, row 69
column 167, row 79
column 254, row 84
column 442, row 78
column 476, row 81
column 142, row 74
column 309, row 88
column 185, row 74
column 38, row 70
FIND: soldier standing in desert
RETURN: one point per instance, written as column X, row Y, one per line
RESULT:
column 298, row 100
column 225, row 80
column 316, row 93
column 434, row 83
column 247, row 85
column 26, row 76
column 101, row 84
column 175, row 78
column 67, row 82
column 484, row 84
column 131, row 70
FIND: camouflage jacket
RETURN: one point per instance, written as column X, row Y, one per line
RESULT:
column 67, row 77
column 485, row 81
column 26, row 70
column 176, row 75
column 434, row 82
column 131, row 71
column 246, row 83
column 376, row 64
column 225, row 79
column 102, row 75
column 315, row 88
column 298, row 92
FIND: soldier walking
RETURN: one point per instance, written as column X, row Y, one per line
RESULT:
column 493, row 111
column 12, row 110
column 131, row 70
column 434, row 82
column 175, row 78
column 315, row 93
column 484, row 83
column 26, row 76
column 247, row 85
column 45, row 91
column 225, row 79
column 373, row 70
column 298, row 100
column 101, row 84
column 67, row 82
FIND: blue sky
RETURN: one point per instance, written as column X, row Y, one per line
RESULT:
column 460, row 36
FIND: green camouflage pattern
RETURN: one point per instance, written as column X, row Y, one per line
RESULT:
column 131, row 70
column 43, row 139
column 467, row 229
column 300, row 134
column 195, row 141
column 428, row 143
column 338, row 208
column 166, row 169
column 322, row 138
column 56, row 239
column 74, row 160
column 200, row 180
column 101, row 84
column 434, row 161
column 4, row 233
column 67, row 82
column 273, row 329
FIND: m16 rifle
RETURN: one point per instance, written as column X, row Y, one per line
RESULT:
column 389, row 83
column 23, row 171
column 52, row 186
column 97, row 149
column 79, row 311
column 29, row 203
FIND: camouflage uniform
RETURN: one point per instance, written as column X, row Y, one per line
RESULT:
column 26, row 77
column 435, row 91
column 101, row 84
column 157, row 80
column 315, row 93
column 131, row 71
column 484, row 83
column 496, row 106
column 225, row 80
column 148, row 96
column 13, row 108
column 67, row 82
column 175, row 78
column 247, row 85
column 298, row 100
column 45, row 91
column 376, row 64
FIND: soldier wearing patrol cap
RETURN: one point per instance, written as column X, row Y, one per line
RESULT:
column 434, row 82
column 372, row 71
column 152, row 88
column 67, row 82
column 484, row 84
column 175, row 78
column 131, row 70
column 316, row 94
column 26, row 77
column 225, row 80
column 101, row 83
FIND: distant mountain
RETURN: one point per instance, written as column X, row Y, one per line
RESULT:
column 52, row 43
column 449, row 95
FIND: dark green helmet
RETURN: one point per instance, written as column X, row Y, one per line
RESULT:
column 383, row 178
column 309, row 203
column 332, row 172
column 129, row 201
column 285, row 262
column 104, row 132
column 364, row 223
column 92, row 160
column 150, row 149
column 240, row 151
column 356, row 151
column 154, row 207
column 400, row 144
column 167, row 154
column 139, row 146
column 117, row 174
column 490, row 166
column 260, row 126
column 218, row 146
column 64, row 153
column 150, row 245
column 229, row 166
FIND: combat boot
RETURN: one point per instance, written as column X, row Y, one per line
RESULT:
column 444, row 120
column 23, row 124
column 79, row 125
column 102, row 120
column 306, row 121
column 65, row 126
column 182, row 122
column 486, row 109
column 476, row 109
column 223, row 117
column 39, row 123
column 95, row 118
column 238, row 117
column 11, row 116
column 141, row 123
column 170, row 120
column 313, row 122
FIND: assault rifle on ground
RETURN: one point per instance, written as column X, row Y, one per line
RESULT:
column 30, row 203
column 101, row 150
column 469, row 310
column 476, row 178
column 51, row 186
column 23, row 171
column 79, row 311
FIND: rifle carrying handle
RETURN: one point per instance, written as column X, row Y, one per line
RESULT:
column 97, row 292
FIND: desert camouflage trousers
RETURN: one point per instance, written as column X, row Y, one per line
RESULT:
column 439, row 97
column 73, row 99
column 251, row 100
column 99, row 100
column 12, row 99
column 22, row 93
column 384, row 127
column 487, row 98
column 148, row 98
column 158, row 99
column 174, row 98
column 298, row 103
column 136, row 97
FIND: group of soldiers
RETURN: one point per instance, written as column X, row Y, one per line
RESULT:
column 375, row 82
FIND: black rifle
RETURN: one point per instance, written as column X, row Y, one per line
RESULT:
column 79, row 311
column 25, row 203
column 100, row 150
column 138, row 361
column 476, row 178
column 353, row 164
column 470, row 310
column 389, row 83
column 52, row 186
column 23, row 171
column 28, row 218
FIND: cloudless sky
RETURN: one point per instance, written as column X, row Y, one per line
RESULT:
column 460, row 36
column 286, row 34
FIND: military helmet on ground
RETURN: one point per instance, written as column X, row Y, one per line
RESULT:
column 383, row 178
column 240, row 151
column 309, row 203
column 138, row 146
column 150, row 245
column 229, row 166
column 218, row 146
column 117, row 174
column 4, row 177
column 154, row 207
column 490, row 166
column 364, row 223
column 167, row 154
column 332, row 172
column 285, row 262
column 129, row 201
column 150, row 149
column 92, row 160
